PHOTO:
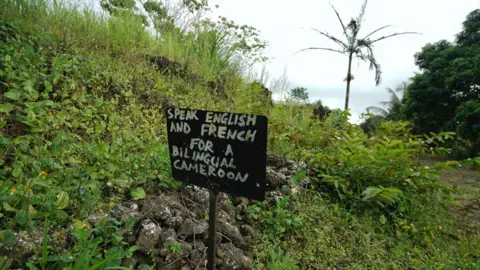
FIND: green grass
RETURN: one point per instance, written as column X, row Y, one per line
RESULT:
column 332, row 237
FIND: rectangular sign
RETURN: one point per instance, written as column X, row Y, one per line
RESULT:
column 218, row 150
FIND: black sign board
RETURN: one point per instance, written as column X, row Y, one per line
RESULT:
column 218, row 150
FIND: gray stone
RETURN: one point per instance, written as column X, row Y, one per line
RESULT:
column 96, row 217
column 170, row 239
column 148, row 236
column 174, row 222
column 123, row 213
column 21, row 248
column 230, row 231
column 275, row 179
column 198, row 244
column 276, row 161
column 186, row 248
column 247, row 230
column 198, row 259
column 186, row 267
column 225, row 216
column 172, row 261
column 163, row 252
column 234, row 258
column 168, row 233
column 199, row 196
column 157, row 208
column 190, row 228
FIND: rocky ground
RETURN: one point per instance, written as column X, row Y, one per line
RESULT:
column 179, row 219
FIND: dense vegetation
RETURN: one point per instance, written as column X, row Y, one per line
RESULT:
column 445, row 96
column 82, row 124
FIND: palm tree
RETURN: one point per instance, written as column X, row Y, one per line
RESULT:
column 391, row 109
column 356, row 47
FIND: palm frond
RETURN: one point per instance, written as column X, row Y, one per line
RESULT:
column 379, row 29
column 336, row 40
column 378, row 111
column 402, row 87
column 393, row 96
column 340, row 20
column 362, row 13
column 386, row 103
column 318, row 48
column 395, row 34
column 370, row 58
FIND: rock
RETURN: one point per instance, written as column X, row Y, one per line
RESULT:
column 240, row 201
column 199, row 198
column 185, row 267
column 163, row 252
column 167, row 234
column 218, row 238
column 157, row 208
column 234, row 258
column 22, row 247
column 198, row 259
column 274, row 195
column 225, row 216
column 186, row 248
column 170, row 240
column 275, row 179
column 198, row 244
column 190, row 228
column 148, row 236
column 247, row 230
column 172, row 261
column 159, row 260
column 132, row 205
column 131, row 240
column 276, row 161
column 247, row 240
column 174, row 222
column 230, row 232
column 96, row 217
column 130, row 262
column 219, row 253
column 123, row 213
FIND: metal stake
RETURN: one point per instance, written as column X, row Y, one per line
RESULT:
column 212, row 229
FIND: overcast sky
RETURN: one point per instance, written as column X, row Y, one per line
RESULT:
column 285, row 23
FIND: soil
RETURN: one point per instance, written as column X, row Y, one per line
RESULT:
column 468, row 183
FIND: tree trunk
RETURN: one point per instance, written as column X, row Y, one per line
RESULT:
column 349, row 78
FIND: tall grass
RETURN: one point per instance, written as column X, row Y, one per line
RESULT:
column 207, row 51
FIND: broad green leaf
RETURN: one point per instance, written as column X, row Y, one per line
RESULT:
column 62, row 200
column 15, row 95
column 8, row 208
column 383, row 219
column 6, row 107
column 17, row 171
column 138, row 193
column 80, row 234
column 31, row 116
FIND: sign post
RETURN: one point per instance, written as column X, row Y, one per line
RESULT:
column 212, row 229
column 221, row 151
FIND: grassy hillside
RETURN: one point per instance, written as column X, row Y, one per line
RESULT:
column 83, row 129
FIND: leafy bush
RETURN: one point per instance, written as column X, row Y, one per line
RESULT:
column 365, row 171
